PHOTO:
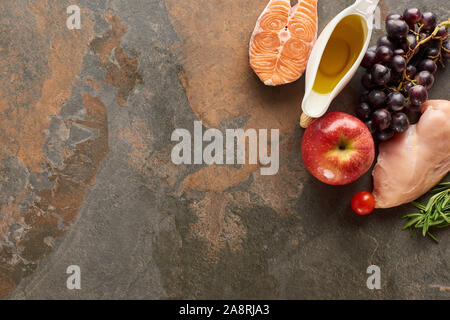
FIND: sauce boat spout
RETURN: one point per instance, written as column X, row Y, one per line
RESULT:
column 366, row 7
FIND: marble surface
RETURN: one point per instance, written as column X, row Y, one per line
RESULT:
column 86, row 177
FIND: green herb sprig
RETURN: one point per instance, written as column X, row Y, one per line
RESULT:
column 436, row 213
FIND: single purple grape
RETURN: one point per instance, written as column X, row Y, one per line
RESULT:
column 418, row 95
column 427, row 65
column 384, row 54
column 396, row 101
column 385, row 41
column 425, row 79
column 413, row 116
column 398, row 63
column 399, row 122
column 397, row 29
column 366, row 81
column 442, row 32
column 382, row 119
column 371, row 126
column 429, row 21
column 369, row 59
column 377, row 98
column 385, row 135
column 412, row 16
column 363, row 111
column 431, row 52
column 411, row 71
column 380, row 74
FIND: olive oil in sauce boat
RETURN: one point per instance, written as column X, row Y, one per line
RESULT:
column 336, row 56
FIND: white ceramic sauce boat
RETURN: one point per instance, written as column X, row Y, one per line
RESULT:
column 316, row 104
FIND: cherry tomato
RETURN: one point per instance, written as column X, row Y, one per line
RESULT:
column 363, row 203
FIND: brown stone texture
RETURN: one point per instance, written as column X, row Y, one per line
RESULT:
column 86, row 175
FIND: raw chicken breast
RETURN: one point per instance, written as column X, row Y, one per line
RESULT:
column 282, row 41
column 412, row 163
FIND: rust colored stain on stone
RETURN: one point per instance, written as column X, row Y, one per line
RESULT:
column 219, row 229
column 52, row 210
column 219, row 83
column 39, row 199
column 217, row 178
column 229, row 211
column 93, row 83
column 40, row 73
column 139, row 138
column 80, row 168
column 122, row 70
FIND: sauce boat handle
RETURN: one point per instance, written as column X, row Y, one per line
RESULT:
column 366, row 7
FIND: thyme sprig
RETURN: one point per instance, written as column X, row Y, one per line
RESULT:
column 436, row 213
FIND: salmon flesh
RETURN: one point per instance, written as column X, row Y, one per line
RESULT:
column 282, row 41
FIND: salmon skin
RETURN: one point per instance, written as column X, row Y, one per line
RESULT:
column 282, row 41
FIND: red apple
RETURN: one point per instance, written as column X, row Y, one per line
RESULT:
column 338, row 148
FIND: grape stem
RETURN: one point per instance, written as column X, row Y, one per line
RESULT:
column 418, row 32
column 412, row 53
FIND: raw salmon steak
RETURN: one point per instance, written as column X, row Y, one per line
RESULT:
column 413, row 162
column 282, row 41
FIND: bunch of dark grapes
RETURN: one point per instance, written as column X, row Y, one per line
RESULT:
column 400, row 70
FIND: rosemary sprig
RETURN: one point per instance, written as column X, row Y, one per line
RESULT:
column 436, row 213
